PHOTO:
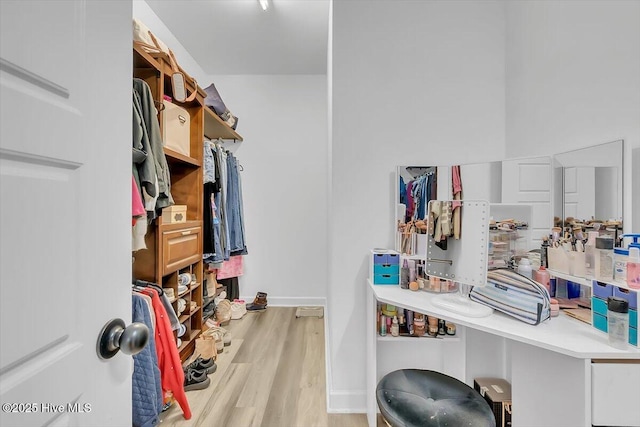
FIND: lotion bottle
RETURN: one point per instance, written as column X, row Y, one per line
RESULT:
column 524, row 268
column 590, row 254
column 543, row 277
column 395, row 328
column 633, row 268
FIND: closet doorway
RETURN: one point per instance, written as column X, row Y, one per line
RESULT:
column 65, row 179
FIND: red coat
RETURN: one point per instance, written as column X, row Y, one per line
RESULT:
column 171, row 373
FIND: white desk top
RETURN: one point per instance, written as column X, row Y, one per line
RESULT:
column 561, row 334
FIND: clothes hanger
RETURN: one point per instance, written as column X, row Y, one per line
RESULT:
column 145, row 284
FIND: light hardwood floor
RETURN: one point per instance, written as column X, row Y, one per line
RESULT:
column 272, row 375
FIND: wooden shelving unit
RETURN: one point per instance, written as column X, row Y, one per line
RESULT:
column 176, row 248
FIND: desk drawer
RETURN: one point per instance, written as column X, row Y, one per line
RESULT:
column 614, row 394
column 181, row 248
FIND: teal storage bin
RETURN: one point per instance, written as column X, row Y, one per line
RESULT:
column 600, row 322
column 386, row 269
column 386, row 279
column 633, row 336
column 599, row 306
column 633, row 318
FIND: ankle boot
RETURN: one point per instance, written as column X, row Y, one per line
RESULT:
column 259, row 303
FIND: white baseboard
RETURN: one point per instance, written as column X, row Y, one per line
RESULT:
column 291, row 301
column 347, row 402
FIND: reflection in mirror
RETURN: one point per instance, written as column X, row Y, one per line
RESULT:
column 591, row 186
column 416, row 186
column 482, row 181
column 462, row 259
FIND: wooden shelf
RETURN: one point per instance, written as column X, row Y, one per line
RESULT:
column 215, row 128
column 587, row 281
column 194, row 334
column 181, row 225
column 175, row 248
column 174, row 155
column 439, row 339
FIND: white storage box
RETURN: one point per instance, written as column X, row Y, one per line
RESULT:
column 176, row 124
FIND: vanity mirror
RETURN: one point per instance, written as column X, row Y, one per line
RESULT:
column 589, row 184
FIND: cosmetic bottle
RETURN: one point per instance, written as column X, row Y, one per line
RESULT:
column 543, row 277
column 544, row 252
column 433, row 326
column 409, row 316
column 451, row 328
column 524, row 267
column 620, row 258
column 404, row 275
column 590, row 254
column 604, row 262
column 419, row 325
column 633, row 268
column 383, row 326
column 442, row 329
column 618, row 322
column 395, row 327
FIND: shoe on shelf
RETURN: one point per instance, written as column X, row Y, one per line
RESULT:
column 238, row 309
column 194, row 380
column 259, row 303
column 207, row 365
column 223, row 312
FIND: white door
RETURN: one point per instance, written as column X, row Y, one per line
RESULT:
column 579, row 192
column 528, row 181
column 65, row 188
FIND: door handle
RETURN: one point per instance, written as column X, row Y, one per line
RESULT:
column 115, row 337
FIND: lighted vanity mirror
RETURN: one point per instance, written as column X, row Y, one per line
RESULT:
column 463, row 259
column 590, row 181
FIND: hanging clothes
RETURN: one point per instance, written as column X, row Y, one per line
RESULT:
column 146, row 110
column 172, row 376
column 146, row 384
column 234, row 208
column 224, row 232
column 456, row 183
column 403, row 191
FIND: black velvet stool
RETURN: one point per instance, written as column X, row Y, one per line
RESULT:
column 414, row 397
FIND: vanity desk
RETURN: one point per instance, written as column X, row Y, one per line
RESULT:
column 562, row 372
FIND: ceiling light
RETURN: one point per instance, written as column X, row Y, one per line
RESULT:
column 264, row 4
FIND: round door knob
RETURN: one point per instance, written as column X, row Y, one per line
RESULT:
column 115, row 337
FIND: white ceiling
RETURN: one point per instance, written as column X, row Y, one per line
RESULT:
column 238, row 37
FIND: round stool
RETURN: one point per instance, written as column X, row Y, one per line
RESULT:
column 414, row 397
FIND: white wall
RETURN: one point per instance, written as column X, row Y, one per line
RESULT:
column 283, row 120
column 412, row 82
column 573, row 79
